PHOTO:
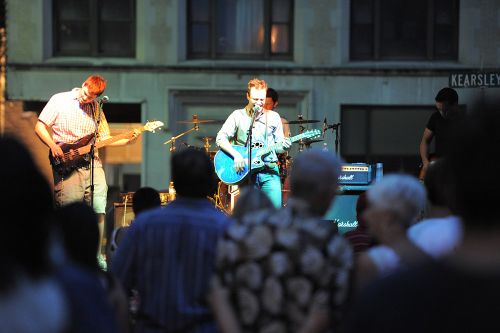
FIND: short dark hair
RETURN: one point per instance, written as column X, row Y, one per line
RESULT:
column 193, row 173
column 145, row 198
column 447, row 95
column 273, row 94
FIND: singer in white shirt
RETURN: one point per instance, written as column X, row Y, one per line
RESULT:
column 267, row 130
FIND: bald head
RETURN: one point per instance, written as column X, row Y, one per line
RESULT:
column 314, row 179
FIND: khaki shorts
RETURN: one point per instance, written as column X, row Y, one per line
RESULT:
column 76, row 187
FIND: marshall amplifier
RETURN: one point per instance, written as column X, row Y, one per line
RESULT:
column 359, row 173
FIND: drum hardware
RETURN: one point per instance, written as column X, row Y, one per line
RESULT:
column 333, row 127
column 308, row 143
column 195, row 121
column 206, row 142
column 302, row 121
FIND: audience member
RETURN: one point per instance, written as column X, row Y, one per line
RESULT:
column 458, row 293
column 394, row 204
column 251, row 201
column 289, row 271
column 30, row 298
column 143, row 199
column 168, row 254
column 360, row 238
column 78, row 226
column 441, row 232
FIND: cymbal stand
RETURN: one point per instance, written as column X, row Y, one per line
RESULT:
column 195, row 127
column 301, row 141
column 206, row 145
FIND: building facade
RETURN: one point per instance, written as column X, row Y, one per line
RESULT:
column 374, row 66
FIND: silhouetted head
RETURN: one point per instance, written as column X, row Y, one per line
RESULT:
column 77, row 223
column 193, row 173
column 26, row 205
column 145, row 198
column 474, row 166
column 250, row 200
column 314, row 179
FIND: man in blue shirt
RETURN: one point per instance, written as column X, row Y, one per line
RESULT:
column 168, row 253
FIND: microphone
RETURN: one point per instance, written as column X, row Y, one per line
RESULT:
column 256, row 110
column 325, row 127
column 104, row 99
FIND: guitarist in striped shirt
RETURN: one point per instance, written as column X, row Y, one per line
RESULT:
column 74, row 115
column 267, row 131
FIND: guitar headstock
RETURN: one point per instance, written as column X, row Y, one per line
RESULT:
column 151, row 126
column 311, row 134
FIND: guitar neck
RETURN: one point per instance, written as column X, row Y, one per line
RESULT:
column 86, row 149
column 292, row 139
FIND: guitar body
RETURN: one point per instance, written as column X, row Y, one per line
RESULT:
column 224, row 166
column 224, row 163
column 72, row 159
column 76, row 155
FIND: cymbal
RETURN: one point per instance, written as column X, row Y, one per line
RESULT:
column 303, row 121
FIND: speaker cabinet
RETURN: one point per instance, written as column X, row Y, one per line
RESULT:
column 123, row 215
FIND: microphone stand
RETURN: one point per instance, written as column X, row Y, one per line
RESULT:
column 249, row 145
column 334, row 127
column 92, row 151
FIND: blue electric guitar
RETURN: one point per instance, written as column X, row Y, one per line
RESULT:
column 224, row 164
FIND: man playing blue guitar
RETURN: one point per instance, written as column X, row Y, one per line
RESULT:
column 267, row 134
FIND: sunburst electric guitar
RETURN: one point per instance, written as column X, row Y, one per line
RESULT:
column 76, row 154
column 224, row 163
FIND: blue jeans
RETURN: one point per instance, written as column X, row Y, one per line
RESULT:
column 269, row 181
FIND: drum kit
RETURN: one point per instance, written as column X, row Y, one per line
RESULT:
column 225, row 199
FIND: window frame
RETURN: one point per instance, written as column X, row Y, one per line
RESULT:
column 93, row 38
column 212, row 53
column 430, row 38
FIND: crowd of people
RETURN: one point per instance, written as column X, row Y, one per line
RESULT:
column 426, row 255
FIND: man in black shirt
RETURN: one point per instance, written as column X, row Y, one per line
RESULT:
column 439, row 127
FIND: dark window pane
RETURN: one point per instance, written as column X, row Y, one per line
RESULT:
column 403, row 29
column 73, row 9
column 115, row 39
column 199, row 10
column 279, row 38
column 116, row 10
column 281, row 11
column 444, row 45
column 362, row 12
column 200, row 38
column 73, row 38
column 361, row 45
column 242, row 29
column 362, row 42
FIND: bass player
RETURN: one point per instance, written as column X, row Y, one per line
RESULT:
column 74, row 115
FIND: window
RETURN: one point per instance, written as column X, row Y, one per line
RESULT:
column 404, row 30
column 94, row 28
column 257, row 29
column 387, row 134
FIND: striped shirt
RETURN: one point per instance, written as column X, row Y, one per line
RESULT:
column 168, row 256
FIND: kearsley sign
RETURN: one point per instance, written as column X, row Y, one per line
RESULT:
column 474, row 79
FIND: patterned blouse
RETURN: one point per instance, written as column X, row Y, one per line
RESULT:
column 278, row 266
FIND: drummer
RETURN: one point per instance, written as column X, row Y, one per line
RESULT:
column 271, row 104
column 284, row 159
